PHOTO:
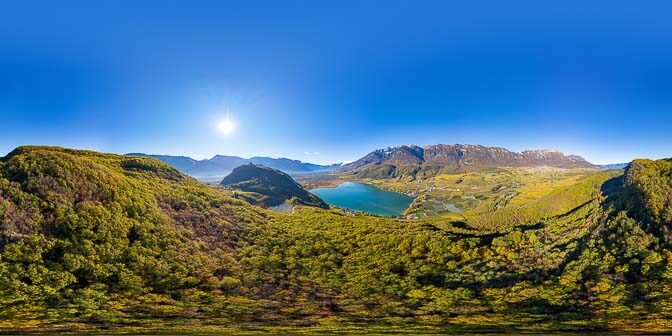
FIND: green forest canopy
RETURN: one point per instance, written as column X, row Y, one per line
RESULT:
column 105, row 239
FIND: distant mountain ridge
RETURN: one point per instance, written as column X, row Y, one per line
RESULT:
column 412, row 160
column 614, row 166
column 222, row 165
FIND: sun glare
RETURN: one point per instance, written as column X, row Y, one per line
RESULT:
column 226, row 126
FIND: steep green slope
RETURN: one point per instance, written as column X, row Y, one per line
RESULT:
column 560, row 201
column 650, row 183
column 270, row 187
column 110, row 240
column 81, row 230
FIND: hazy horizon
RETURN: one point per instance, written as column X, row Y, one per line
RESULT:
column 329, row 83
column 206, row 157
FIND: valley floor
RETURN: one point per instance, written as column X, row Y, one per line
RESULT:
column 463, row 195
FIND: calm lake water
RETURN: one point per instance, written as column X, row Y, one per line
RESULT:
column 365, row 197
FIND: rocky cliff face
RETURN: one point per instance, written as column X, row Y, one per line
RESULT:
column 414, row 161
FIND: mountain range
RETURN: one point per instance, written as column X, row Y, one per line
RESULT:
column 412, row 160
column 614, row 166
column 403, row 161
column 222, row 165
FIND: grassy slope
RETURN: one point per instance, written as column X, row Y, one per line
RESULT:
column 99, row 239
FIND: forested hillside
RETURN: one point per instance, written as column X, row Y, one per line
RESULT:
column 268, row 187
column 98, row 240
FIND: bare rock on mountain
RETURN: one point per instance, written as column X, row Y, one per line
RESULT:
column 414, row 161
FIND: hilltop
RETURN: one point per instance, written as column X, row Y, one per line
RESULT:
column 412, row 161
column 269, row 187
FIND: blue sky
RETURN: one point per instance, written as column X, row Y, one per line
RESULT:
column 329, row 81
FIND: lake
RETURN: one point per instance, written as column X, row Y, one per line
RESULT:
column 365, row 197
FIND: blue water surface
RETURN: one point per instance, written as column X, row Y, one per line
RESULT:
column 365, row 197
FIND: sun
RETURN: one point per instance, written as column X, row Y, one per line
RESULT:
column 226, row 126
